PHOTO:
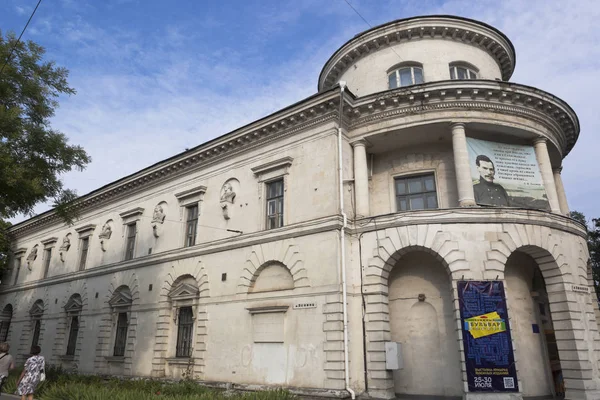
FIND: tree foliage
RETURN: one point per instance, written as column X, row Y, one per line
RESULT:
column 33, row 155
column 593, row 242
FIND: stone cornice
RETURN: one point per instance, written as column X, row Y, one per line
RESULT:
column 327, row 224
column 475, row 215
column 282, row 163
column 481, row 95
column 313, row 111
column 49, row 241
column 440, row 27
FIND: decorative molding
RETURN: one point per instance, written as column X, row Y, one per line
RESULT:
column 282, row 164
column 20, row 251
column 132, row 215
column 121, row 298
column 500, row 97
column 189, row 196
column 74, row 305
column 184, row 291
column 49, row 242
column 37, row 309
column 85, row 230
column 267, row 309
column 462, row 30
column 284, row 253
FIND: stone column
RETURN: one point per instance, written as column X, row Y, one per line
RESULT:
column 466, row 196
column 361, row 178
column 543, row 159
column 560, row 191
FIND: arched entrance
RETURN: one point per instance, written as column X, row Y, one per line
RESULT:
column 422, row 319
column 539, row 369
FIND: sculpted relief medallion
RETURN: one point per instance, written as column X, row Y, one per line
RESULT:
column 65, row 246
column 32, row 256
column 228, row 197
column 105, row 235
column 158, row 218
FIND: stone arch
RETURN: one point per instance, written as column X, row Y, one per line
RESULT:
column 75, row 288
column 179, row 269
column 6, row 317
column 119, row 280
column 279, row 278
column 284, row 252
column 38, row 295
column 569, row 301
column 536, row 241
column 391, row 244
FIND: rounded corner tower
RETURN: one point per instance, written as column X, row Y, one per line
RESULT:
column 431, row 42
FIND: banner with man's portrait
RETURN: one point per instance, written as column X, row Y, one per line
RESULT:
column 506, row 175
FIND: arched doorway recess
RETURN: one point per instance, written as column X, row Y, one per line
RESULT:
column 422, row 319
column 539, row 368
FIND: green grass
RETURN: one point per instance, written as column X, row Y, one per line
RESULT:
column 63, row 386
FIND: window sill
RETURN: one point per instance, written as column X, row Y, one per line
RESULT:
column 181, row 360
column 115, row 359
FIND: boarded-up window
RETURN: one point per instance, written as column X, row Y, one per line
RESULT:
column 268, row 327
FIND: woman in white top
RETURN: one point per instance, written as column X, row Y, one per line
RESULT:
column 6, row 363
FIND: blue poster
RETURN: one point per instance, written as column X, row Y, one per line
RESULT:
column 489, row 354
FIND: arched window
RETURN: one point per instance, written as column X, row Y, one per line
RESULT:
column 120, row 304
column 5, row 319
column 73, row 309
column 463, row 71
column 405, row 75
column 36, row 312
column 184, row 296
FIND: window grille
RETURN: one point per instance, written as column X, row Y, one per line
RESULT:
column 36, row 333
column 191, row 227
column 415, row 193
column 185, row 327
column 73, row 332
column 121, row 335
column 131, row 232
column 85, row 244
column 405, row 76
column 275, row 204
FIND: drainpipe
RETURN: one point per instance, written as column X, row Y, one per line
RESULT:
column 343, row 244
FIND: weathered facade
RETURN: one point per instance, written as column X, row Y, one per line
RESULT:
column 231, row 262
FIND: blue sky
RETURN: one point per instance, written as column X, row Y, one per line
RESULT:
column 156, row 77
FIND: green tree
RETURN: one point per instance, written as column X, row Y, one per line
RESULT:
column 593, row 242
column 33, row 156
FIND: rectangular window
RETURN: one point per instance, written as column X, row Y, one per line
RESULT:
column 191, row 226
column 121, row 338
column 415, row 193
column 73, row 332
column 36, row 333
column 17, row 270
column 185, row 327
column 47, row 258
column 131, row 232
column 275, row 204
column 85, row 244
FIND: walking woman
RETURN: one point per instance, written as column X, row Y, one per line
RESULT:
column 6, row 363
column 31, row 376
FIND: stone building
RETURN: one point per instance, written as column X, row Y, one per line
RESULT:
column 295, row 250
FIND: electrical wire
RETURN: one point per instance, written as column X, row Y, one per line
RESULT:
column 370, row 26
column 21, row 35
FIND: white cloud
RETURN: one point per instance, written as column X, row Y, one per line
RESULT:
column 139, row 103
